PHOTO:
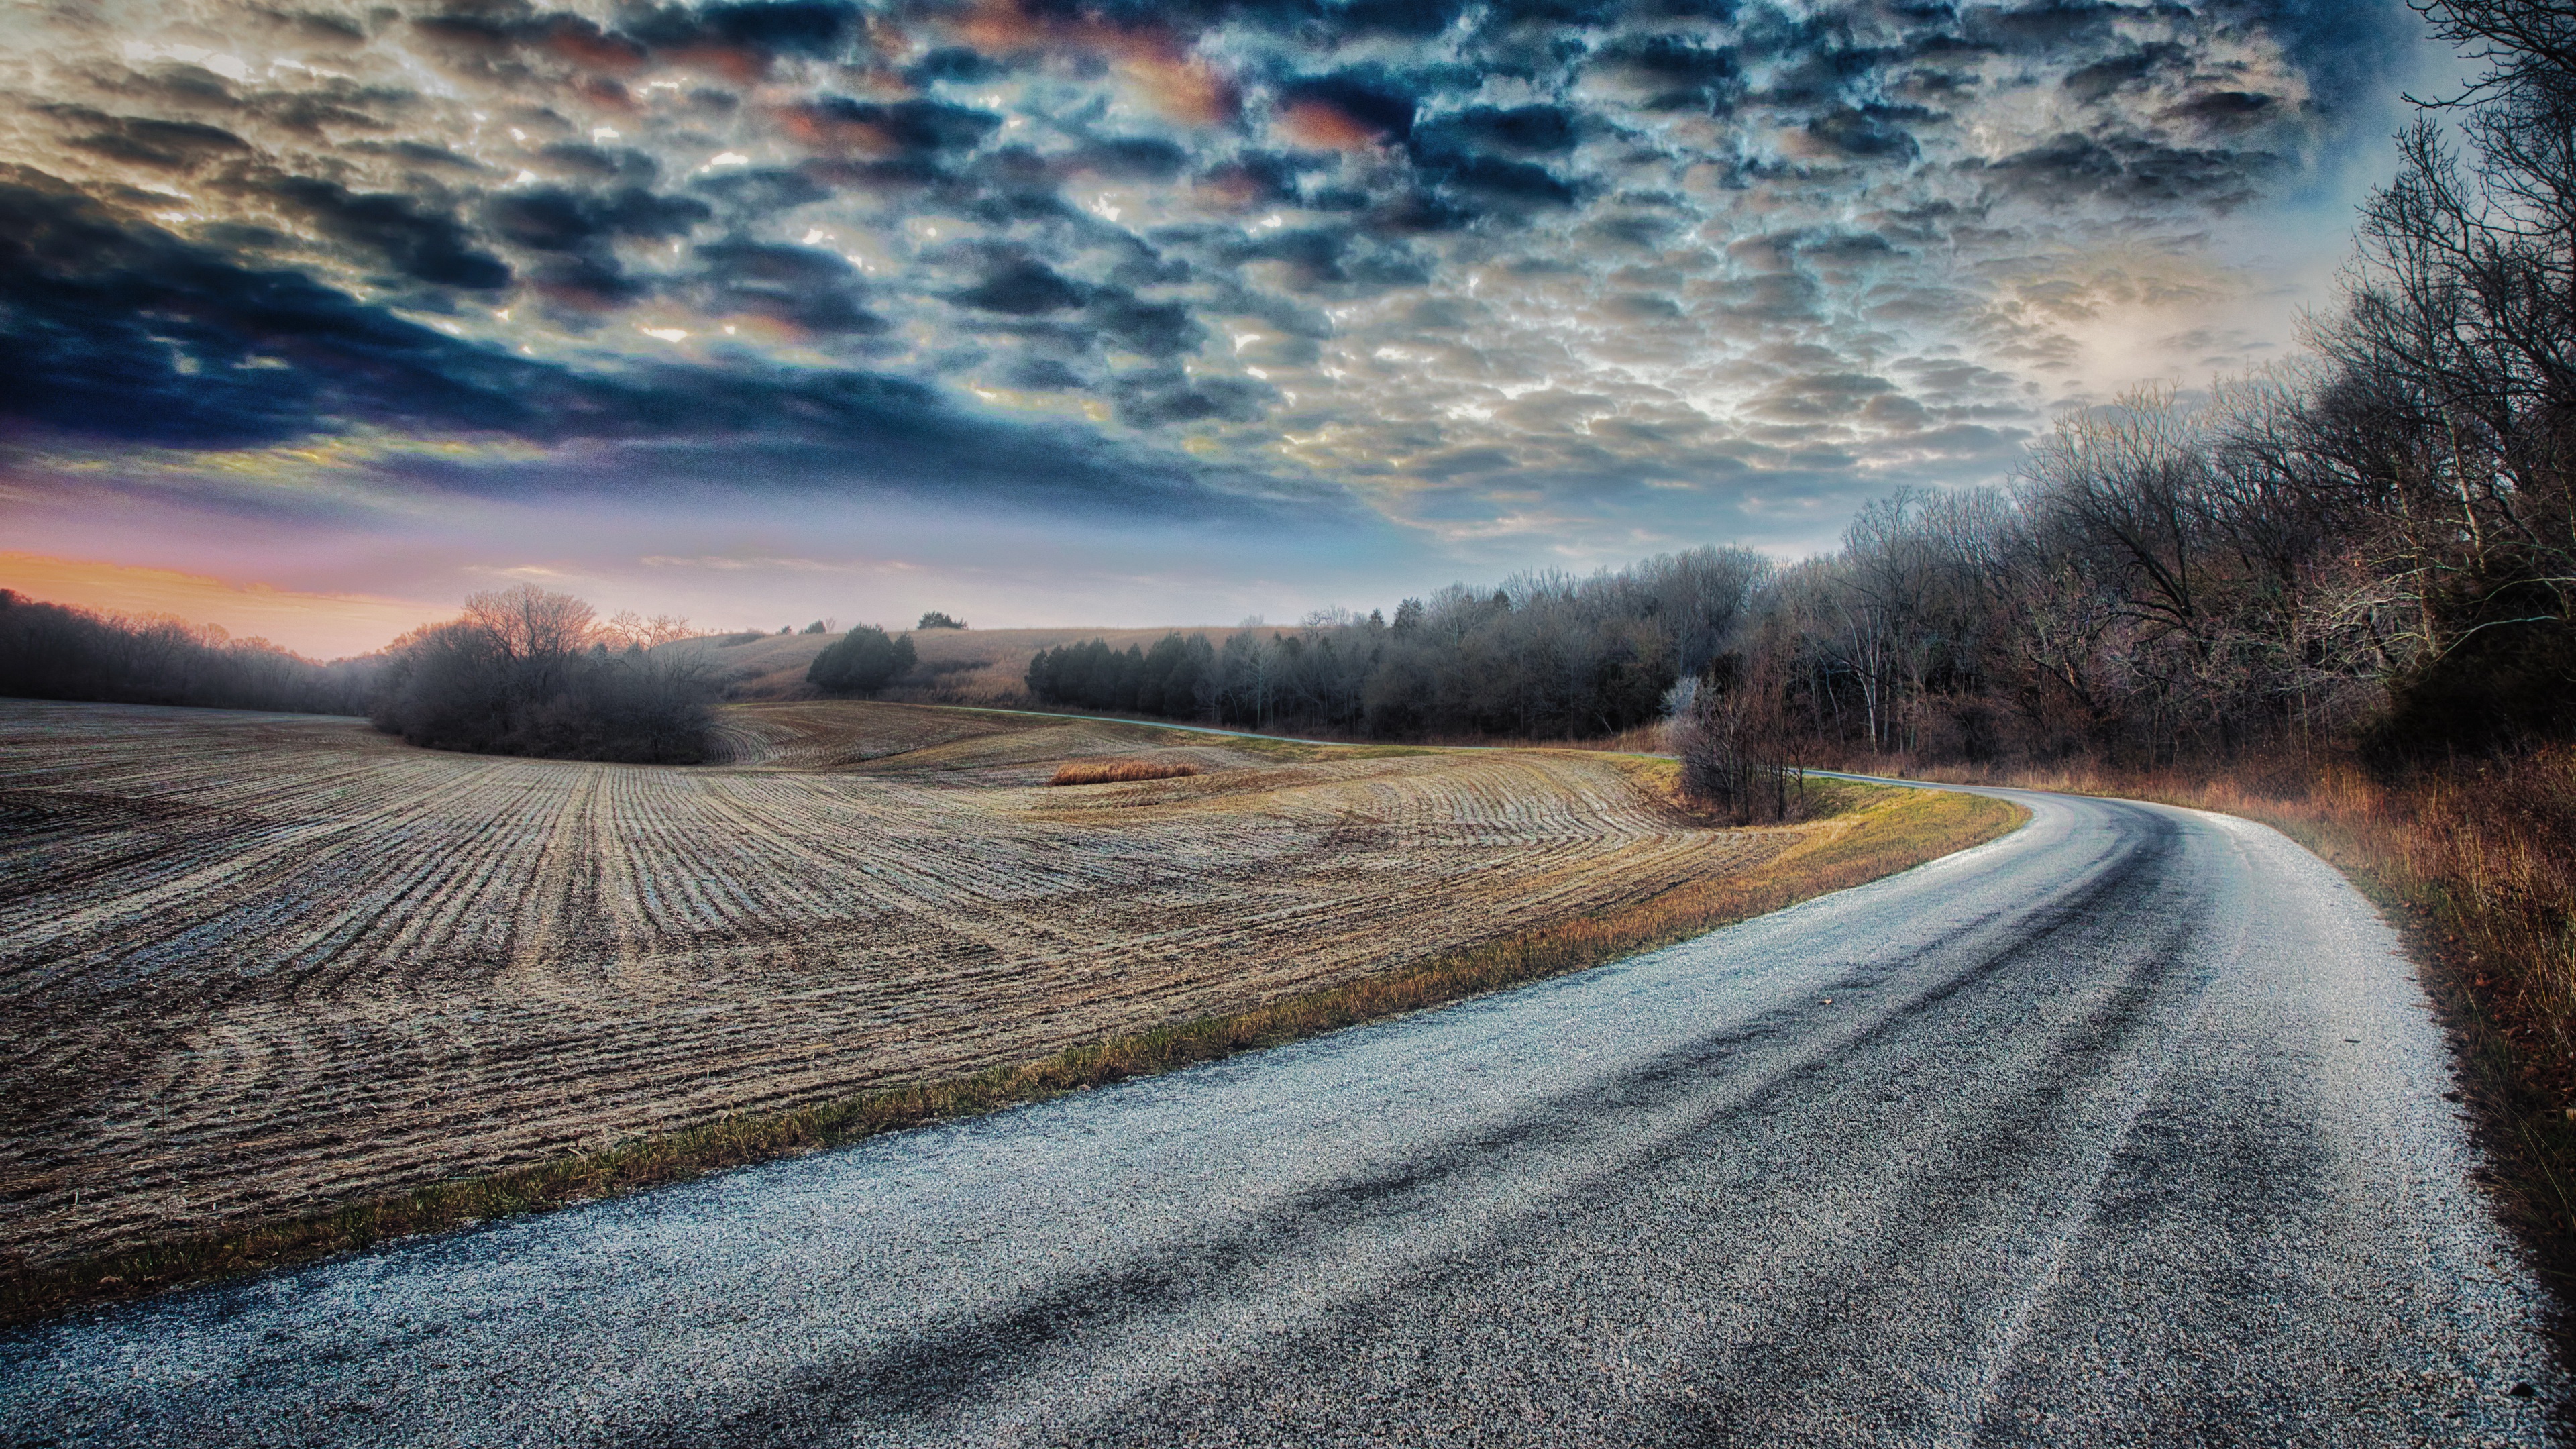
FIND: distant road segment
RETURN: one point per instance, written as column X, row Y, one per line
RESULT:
column 2127, row 1128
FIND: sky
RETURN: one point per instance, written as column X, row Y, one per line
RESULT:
column 315, row 318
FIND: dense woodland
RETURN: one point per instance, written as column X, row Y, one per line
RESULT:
column 1545, row 655
column 50, row 651
column 2378, row 541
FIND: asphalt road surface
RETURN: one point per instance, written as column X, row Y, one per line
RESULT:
column 2128, row 1128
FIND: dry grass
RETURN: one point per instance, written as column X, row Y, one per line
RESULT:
column 1112, row 772
column 2478, row 862
column 1867, row 832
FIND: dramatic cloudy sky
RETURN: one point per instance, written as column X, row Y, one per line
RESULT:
column 1123, row 314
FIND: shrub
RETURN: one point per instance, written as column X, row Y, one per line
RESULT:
column 863, row 661
column 937, row 620
column 1733, row 743
column 525, row 672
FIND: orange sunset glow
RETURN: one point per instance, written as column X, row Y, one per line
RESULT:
column 320, row 626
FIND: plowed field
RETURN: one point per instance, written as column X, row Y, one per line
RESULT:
column 252, row 965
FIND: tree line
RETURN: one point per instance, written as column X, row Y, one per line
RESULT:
column 53, row 651
column 520, row 672
column 1544, row 655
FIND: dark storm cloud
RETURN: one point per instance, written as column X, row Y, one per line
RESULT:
column 1370, row 103
column 577, row 158
column 160, row 145
column 1156, row 329
column 919, row 130
column 1683, row 72
column 123, row 332
column 1128, row 158
column 2131, row 169
column 1153, row 400
column 1023, row 289
column 805, row 287
column 2103, row 77
column 419, row 153
column 553, row 219
column 801, row 27
column 758, row 193
column 422, row 243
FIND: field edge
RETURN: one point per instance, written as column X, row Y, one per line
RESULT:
column 1873, row 832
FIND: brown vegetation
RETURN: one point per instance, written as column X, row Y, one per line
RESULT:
column 1107, row 772
column 1864, row 833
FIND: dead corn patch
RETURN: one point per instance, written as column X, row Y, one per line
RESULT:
column 1106, row 772
column 1870, row 832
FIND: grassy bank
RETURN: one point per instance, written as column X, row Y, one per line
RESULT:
column 2476, row 862
column 1861, row 833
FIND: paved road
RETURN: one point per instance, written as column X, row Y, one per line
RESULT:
column 2127, row 1128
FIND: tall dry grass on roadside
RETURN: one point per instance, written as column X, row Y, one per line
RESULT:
column 2477, row 860
column 1113, row 771
column 1867, row 832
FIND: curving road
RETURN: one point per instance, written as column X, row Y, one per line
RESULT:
column 2127, row 1128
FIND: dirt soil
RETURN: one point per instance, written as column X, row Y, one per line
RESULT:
column 255, row 965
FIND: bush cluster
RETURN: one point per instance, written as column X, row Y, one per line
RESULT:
column 861, row 662
column 526, row 672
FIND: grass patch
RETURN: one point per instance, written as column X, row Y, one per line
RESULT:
column 1106, row 772
column 1864, row 832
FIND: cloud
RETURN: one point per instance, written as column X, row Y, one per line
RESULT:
column 405, row 233
column 119, row 332
column 1178, row 255
column 1022, row 288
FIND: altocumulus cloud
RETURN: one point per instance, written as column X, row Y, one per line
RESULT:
column 1543, row 266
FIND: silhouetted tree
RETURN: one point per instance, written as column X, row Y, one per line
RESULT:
column 528, row 672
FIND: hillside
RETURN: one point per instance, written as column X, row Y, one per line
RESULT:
column 958, row 666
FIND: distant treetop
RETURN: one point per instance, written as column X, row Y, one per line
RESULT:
column 937, row 620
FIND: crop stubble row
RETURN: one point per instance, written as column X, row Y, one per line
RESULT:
column 251, row 965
